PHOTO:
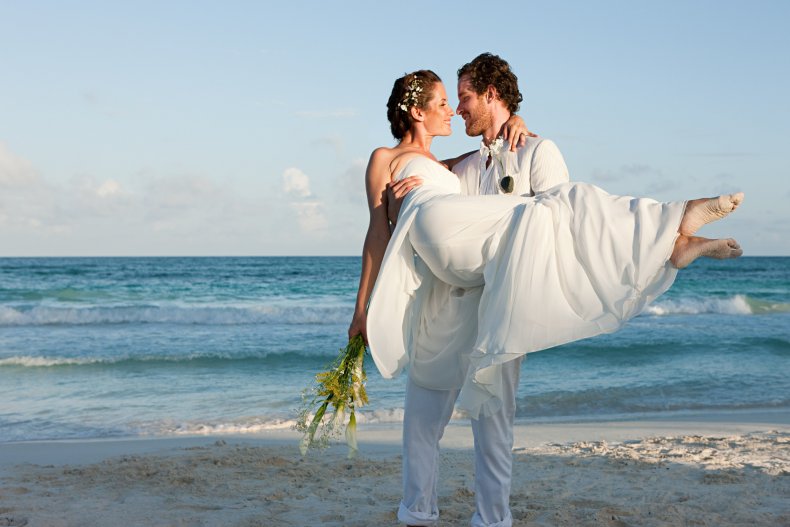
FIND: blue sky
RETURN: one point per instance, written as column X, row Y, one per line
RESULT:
column 243, row 128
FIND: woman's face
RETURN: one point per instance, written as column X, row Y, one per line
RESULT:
column 438, row 113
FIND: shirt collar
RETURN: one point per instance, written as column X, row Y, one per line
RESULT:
column 485, row 151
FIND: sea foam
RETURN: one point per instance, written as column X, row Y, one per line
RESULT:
column 734, row 305
column 174, row 314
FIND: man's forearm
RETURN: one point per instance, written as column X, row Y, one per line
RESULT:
column 450, row 163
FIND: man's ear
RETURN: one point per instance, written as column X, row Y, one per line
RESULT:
column 491, row 93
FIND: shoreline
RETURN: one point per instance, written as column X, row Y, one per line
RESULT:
column 383, row 437
column 718, row 470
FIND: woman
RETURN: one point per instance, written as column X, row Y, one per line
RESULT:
column 569, row 264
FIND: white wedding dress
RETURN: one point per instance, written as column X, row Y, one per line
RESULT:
column 570, row 263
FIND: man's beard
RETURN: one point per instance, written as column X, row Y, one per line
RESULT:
column 479, row 124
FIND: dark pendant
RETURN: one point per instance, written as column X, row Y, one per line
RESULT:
column 507, row 184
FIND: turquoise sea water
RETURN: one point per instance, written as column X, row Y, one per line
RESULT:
column 110, row 347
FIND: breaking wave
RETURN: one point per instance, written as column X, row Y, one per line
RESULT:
column 172, row 314
column 734, row 305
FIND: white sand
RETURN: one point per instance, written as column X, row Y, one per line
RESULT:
column 725, row 471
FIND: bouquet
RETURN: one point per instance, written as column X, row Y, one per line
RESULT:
column 343, row 387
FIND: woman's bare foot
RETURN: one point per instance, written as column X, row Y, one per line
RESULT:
column 705, row 210
column 689, row 248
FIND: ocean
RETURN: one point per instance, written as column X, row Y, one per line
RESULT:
column 141, row 347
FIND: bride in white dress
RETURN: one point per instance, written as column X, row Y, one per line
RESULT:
column 567, row 264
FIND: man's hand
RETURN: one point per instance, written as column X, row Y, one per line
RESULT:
column 515, row 130
column 395, row 193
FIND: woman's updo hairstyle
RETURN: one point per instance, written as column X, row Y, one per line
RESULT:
column 413, row 89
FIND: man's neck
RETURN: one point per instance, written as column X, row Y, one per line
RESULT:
column 499, row 117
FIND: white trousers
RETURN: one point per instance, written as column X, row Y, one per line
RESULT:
column 426, row 415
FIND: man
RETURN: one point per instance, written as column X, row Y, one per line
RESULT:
column 488, row 94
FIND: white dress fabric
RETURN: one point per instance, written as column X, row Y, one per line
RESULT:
column 446, row 331
column 570, row 263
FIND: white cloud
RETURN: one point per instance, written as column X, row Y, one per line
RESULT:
column 85, row 197
column 351, row 182
column 310, row 213
column 149, row 212
column 168, row 195
column 109, row 188
column 296, row 183
column 14, row 170
column 27, row 202
column 142, row 213
column 310, row 216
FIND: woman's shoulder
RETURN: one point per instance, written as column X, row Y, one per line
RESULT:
column 390, row 154
column 383, row 151
column 395, row 160
column 379, row 162
column 383, row 155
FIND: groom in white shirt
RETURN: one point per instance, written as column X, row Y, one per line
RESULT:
column 488, row 94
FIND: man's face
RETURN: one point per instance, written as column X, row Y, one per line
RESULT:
column 473, row 108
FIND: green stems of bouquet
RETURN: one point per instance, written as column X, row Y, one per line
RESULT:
column 343, row 387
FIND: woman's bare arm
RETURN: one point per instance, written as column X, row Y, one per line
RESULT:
column 376, row 178
column 516, row 132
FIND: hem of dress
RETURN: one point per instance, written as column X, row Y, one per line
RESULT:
column 677, row 235
column 484, row 359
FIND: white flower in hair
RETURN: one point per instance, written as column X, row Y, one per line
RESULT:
column 411, row 97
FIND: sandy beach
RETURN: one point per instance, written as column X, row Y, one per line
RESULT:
column 723, row 471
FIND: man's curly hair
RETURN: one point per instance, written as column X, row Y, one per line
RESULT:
column 490, row 70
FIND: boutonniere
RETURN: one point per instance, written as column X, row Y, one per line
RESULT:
column 506, row 183
column 496, row 146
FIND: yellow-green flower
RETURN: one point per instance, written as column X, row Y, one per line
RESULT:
column 343, row 387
